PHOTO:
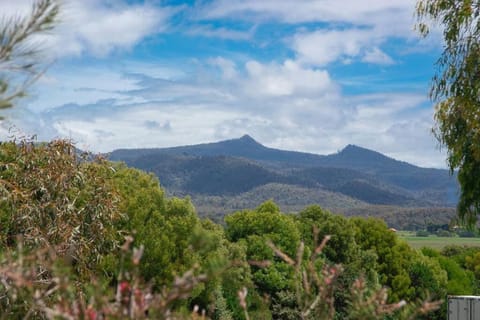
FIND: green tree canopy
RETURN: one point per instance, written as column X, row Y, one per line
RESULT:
column 256, row 228
column 341, row 248
column 455, row 90
column 50, row 196
column 407, row 273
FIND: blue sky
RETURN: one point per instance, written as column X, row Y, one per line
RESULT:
column 300, row 75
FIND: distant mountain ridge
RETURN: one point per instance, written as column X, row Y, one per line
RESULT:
column 235, row 167
column 244, row 147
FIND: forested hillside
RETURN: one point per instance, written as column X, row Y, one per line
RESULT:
column 241, row 173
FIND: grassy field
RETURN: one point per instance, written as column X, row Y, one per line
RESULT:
column 436, row 242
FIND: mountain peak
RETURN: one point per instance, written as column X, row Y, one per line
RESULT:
column 245, row 141
column 359, row 157
column 352, row 149
column 247, row 138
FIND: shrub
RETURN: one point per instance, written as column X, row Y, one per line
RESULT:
column 53, row 197
column 466, row 234
column 444, row 233
column 422, row 233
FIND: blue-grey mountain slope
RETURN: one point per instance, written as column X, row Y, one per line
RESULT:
column 237, row 166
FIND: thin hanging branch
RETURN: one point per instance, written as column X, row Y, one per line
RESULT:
column 20, row 64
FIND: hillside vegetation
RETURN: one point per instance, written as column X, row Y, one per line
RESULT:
column 69, row 224
column 241, row 173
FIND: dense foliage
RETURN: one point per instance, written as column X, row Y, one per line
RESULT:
column 455, row 91
column 50, row 196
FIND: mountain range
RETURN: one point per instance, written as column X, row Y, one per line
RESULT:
column 235, row 174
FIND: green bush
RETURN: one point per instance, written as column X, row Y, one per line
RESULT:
column 444, row 233
column 50, row 196
column 422, row 233
column 466, row 234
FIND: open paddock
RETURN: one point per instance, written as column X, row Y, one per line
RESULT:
column 437, row 242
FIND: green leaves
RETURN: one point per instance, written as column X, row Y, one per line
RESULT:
column 51, row 197
column 456, row 91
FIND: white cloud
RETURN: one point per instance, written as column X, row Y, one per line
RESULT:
column 97, row 27
column 101, row 29
column 80, row 85
column 351, row 30
column 377, row 56
column 228, row 67
column 127, row 127
column 286, row 79
column 407, row 144
column 222, row 33
column 373, row 12
column 325, row 46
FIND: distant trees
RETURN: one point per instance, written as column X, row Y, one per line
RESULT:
column 455, row 90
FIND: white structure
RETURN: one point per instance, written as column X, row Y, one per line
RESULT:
column 463, row 308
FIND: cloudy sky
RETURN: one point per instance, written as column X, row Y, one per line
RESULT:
column 300, row 75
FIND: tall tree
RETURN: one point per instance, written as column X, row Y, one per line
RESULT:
column 455, row 90
column 20, row 64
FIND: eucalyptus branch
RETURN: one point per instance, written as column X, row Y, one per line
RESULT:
column 20, row 65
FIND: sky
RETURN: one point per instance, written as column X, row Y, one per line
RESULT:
column 304, row 75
